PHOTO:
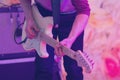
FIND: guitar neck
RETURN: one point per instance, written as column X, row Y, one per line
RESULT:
column 52, row 42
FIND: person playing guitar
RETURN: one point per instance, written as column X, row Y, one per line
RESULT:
column 74, row 15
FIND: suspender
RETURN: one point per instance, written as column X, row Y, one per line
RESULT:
column 56, row 12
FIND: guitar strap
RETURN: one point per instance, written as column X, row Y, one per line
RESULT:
column 56, row 16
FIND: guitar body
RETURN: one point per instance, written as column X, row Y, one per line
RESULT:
column 36, row 43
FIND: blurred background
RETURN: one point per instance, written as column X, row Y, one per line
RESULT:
column 101, row 42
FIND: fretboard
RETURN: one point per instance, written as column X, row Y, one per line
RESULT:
column 78, row 56
column 52, row 42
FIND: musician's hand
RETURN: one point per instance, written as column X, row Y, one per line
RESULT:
column 31, row 29
column 59, row 47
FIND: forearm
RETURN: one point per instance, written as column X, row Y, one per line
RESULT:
column 83, row 12
column 78, row 26
column 26, row 5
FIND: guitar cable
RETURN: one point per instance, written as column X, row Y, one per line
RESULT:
column 18, row 32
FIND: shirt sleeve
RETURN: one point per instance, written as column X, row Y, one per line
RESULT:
column 81, row 6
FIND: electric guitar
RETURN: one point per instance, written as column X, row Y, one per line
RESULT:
column 45, row 37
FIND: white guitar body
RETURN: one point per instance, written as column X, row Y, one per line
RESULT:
column 36, row 43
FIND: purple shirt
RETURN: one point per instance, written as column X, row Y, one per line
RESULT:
column 81, row 6
column 68, row 6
